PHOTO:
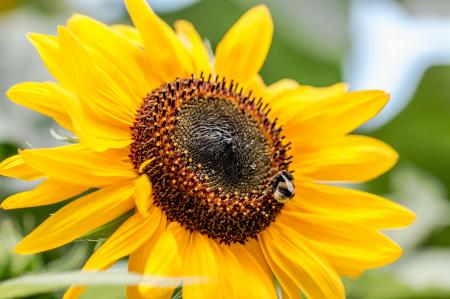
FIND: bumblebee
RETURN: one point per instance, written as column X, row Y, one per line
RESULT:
column 284, row 186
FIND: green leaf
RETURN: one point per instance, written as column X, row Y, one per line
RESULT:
column 7, row 150
column 104, row 292
column 10, row 263
column 177, row 294
column 50, row 282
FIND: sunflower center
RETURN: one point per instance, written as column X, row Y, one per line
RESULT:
column 226, row 141
column 217, row 164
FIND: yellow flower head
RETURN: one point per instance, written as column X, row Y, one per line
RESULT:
column 225, row 175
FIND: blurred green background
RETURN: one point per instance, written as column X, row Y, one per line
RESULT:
column 312, row 44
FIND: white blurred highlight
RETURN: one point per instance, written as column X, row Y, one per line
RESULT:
column 392, row 49
column 165, row 6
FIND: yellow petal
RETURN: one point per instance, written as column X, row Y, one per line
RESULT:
column 350, row 248
column 192, row 40
column 96, row 134
column 281, row 87
column 126, row 239
column 76, row 163
column 139, row 258
column 241, row 53
column 163, row 260
column 287, row 101
column 128, row 32
column 144, row 164
column 361, row 208
column 78, row 218
column 288, row 251
column 256, row 86
column 107, row 107
column 48, row 192
column 142, row 194
column 123, row 61
column 103, row 127
column 248, row 275
column 288, row 288
column 230, row 272
column 135, row 294
column 351, row 158
column 50, row 53
column 91, row 131
column 99, row 93
column 255, row 250
column 332, row 117
column 200, row 261
column 36, row 96
column 16, row 167
column 169, row 58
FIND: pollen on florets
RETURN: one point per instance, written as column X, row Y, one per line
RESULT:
column 211, row 154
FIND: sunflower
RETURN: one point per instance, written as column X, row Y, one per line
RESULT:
column 223, row 176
